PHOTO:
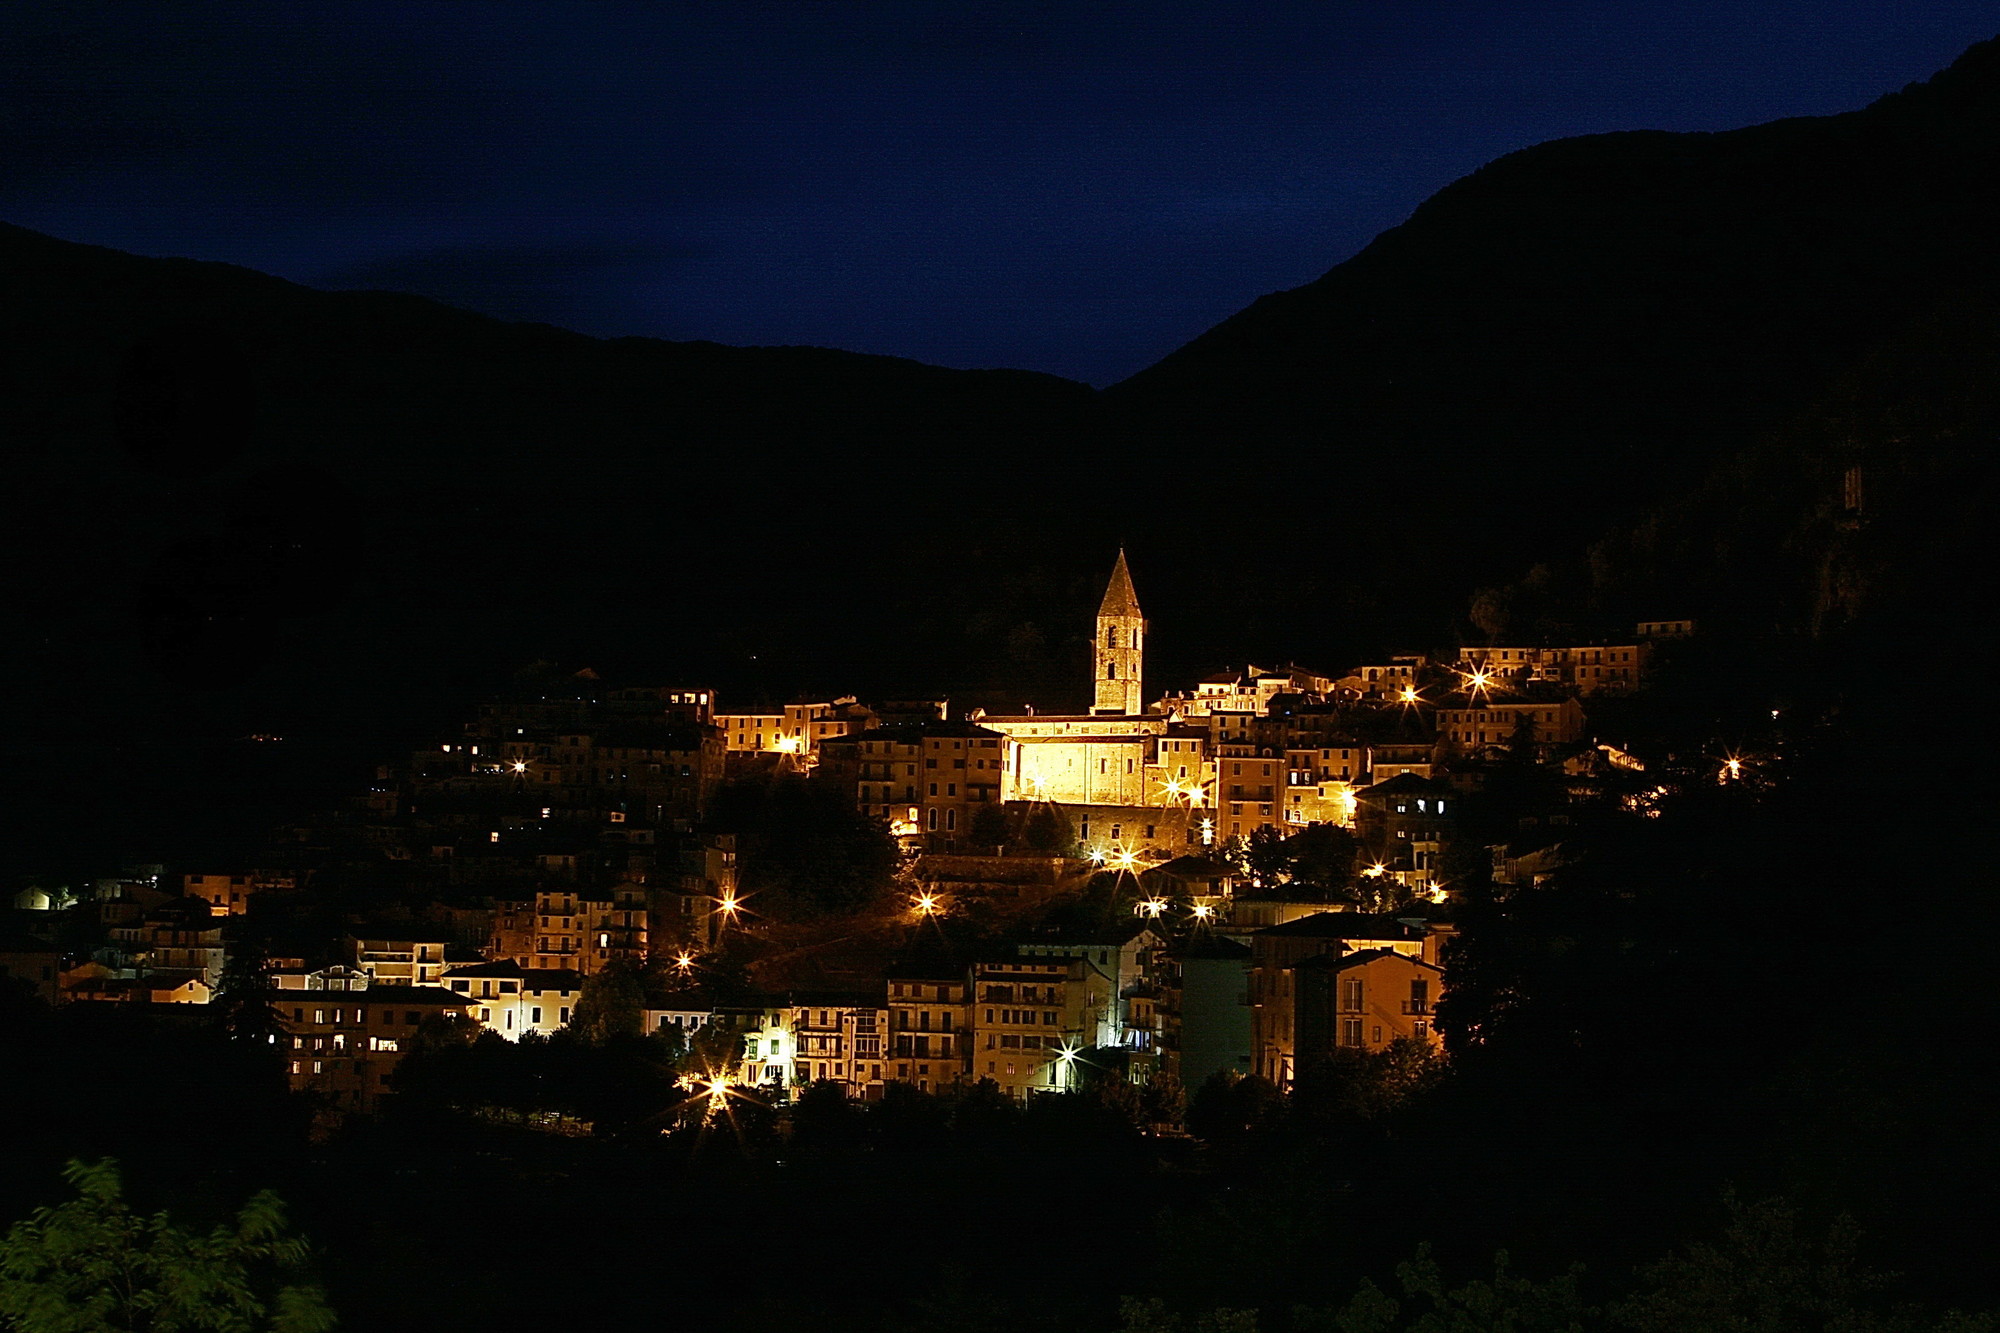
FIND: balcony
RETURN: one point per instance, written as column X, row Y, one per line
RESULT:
column 1416, row 1006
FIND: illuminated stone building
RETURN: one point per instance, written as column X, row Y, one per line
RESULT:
column 492, row 992
column 1107, row 756
column 1119, row 652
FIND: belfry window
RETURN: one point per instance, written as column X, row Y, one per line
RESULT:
column 1110, row 673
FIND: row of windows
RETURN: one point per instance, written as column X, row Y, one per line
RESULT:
column 915, row 990
column 360, row 1016
column 1022, row 1017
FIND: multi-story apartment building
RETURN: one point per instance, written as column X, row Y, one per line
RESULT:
column 1250, row 788
column 840, row 1037
column 1404, row 825
column 400, row 956
column 230, row 895
column 798, row 728
column 929, row 778
column 1482, row 725
column 183, row 935
column 1278, row 952
column 1128, row 962
column 1205, row 1003
column 1584, row 669
column 930, row 1023
column 345, row 1043
column 1363, row 1001
column 492, row 992
column 572, row 928
column 814, row 1037
column 1031, row 1018
column 30, row 963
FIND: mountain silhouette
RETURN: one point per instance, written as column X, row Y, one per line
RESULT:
column 244, row 507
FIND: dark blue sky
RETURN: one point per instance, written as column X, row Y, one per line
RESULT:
column 1073, row 187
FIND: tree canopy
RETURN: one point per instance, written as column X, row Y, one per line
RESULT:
column 93, row 1265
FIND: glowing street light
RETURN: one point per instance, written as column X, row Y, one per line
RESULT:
column 1409, row 695
column 1125, row 860
column 926, row 904
column 684, row 962
column 1152, row 907
column 1097, row 856
column 1377, row 870
column 718, row 1096
column 1732, row 770
column 520, row 765
column 1202, row 911
column 1208, row 832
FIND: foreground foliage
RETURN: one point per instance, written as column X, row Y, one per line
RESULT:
column 93, row 1265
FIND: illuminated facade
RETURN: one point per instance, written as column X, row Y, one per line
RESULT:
column 1363, row 1001
column 1031, row 1020
column 930, row 1029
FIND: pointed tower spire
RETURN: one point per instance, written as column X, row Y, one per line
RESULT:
column 1117, row 660
column 1119, row 599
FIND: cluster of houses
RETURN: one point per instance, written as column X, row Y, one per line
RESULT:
column 562, row 834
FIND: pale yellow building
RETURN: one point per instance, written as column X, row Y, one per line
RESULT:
column 1032, row 1018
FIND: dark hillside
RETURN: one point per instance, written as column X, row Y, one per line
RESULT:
column 1560, row 339
column 241, row 506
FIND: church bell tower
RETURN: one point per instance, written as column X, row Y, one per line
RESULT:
column 1118, row 651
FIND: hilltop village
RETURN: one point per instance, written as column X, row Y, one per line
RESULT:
column 1245, row 878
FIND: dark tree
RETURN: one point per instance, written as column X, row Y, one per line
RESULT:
column 805, row 844
column 612, row 1005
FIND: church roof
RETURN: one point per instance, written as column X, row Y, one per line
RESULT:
column 1119, row 599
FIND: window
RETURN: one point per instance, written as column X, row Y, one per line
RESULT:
column 535, row 1014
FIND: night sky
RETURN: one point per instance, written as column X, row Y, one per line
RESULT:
column 1077, row 188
